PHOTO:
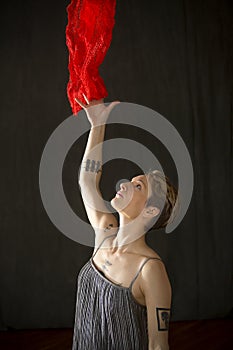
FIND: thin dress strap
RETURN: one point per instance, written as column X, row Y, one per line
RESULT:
column 131, row 284
column 102, row 243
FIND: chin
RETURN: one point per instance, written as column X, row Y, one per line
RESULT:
column 115, row 204
column 112, row 203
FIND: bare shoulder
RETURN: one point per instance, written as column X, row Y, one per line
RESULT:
column 150, row 253
column 154, row 277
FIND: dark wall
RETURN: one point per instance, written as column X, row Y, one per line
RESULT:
column 172, row 56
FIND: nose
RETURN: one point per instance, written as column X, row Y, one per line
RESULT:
column 124, row 186
column 121, row 185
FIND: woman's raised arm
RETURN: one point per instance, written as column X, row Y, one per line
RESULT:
column 91, row 166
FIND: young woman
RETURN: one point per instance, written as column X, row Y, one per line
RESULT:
column 124, row 294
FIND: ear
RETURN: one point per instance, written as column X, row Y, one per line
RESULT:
column 150, row 211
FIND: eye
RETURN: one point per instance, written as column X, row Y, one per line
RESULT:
column 139, row 186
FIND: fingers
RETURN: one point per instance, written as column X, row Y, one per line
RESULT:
column 95, row 102
column 82, row 104
column 87, row 101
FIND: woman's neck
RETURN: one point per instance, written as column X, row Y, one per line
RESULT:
column 130, row 236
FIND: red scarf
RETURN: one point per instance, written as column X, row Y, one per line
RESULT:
column 88, row 37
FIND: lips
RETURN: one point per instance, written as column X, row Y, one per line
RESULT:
column 119, row 193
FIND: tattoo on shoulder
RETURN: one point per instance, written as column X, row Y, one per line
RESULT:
column 93, row 166
column 163, row 317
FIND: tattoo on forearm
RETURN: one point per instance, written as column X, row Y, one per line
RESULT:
column 163, row 316
column 93, row 166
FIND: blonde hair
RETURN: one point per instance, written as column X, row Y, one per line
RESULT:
column 164, row 196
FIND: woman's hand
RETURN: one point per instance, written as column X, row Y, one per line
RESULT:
column 96, row 111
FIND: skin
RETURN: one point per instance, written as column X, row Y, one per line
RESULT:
column 127, row 249
column 133, row 214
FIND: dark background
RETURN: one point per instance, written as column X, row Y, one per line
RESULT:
column 172, row 56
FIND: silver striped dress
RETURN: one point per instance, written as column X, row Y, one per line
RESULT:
column 107, row 316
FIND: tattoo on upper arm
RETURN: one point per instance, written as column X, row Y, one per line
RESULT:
column 163, row 316
column 93, row 166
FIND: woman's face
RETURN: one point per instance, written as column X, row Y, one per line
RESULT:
column 132, row 196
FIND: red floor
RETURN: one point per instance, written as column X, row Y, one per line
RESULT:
column 184, row 335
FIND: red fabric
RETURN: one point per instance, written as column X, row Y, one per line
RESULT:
column 88, row 37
